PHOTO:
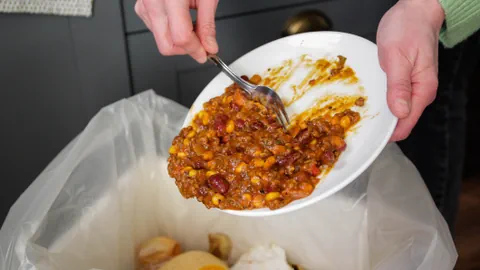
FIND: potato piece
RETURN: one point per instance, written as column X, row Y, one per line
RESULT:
column 158, row 250
column 220, row 245
column 195, row 260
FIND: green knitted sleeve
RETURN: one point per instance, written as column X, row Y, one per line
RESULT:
column 462, row 19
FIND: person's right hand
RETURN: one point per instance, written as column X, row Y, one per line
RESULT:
column 172, row 27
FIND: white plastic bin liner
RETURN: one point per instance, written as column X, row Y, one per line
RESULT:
column 109, row 190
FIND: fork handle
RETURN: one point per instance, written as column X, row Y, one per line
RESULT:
column 232, row 75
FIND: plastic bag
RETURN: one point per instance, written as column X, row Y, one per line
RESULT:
column 109, row 190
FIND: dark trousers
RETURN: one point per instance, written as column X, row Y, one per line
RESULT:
column 437, row 144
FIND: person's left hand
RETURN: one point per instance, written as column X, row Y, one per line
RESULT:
column 407, row 41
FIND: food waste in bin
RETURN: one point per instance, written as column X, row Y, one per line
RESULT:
column 164, row 253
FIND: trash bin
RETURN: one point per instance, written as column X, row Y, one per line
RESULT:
column 109, row 190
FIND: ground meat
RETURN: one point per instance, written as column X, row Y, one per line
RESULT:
column 235, row 155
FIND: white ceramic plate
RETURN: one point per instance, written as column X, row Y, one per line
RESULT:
column 373, row 131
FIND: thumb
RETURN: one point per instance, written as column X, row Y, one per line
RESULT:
column 399, row 83
column 206, row 25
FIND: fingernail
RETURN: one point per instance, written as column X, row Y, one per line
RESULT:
column 402, row 107
column 212, row 44
column 201, row 59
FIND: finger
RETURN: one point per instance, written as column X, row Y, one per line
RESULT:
column 181, row 27
column 141, row 12
column 399, row 84
column 206, row 25
column 424, row 93
column 160, row 29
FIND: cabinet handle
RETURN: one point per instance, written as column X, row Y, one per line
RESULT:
column 306, row 21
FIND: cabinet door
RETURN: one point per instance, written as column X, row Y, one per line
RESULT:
column 224, row 9
column 182, row 79
column 55, row 74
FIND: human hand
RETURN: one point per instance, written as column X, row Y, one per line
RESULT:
column 172, row 27
column 407, row 40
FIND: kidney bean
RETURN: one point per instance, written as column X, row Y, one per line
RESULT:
column 303, row 137
column 274, row 125
column 328, row 158
column 218, row 183
column 197, row 163
column 220, row 123
column 360, row 102
column 257, row 125
column 272, row 186
column 289, row 159
column 239, row 123
column 235, row 107
column 301, row 176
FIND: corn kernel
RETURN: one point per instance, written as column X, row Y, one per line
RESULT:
column 335, row 120
column 194, row 126
column 258, row 201
column 181, row 154
column 240, row 167
column 187, row 169
column 345, row 122
column 272, row 196
column 217, row 198
column 247, row 197
column 207, row 155
column 186, row 141
column 173, row 149
column 230, row 126
column 269, row 162
column 255, row 180
column 296, row 148
column 256, row 79
column 303, row 125
column 257, row 153
column 192, row 173
column 258, row 162
column 313, row 142
column 210, row 173
column 191, row 134
column 307, row 187
column 205, row 118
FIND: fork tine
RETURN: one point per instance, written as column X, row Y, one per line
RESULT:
column 281, row 120
column 284, row 112
column 281, row 117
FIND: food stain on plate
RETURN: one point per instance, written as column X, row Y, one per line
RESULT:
column 318, row 72
column 330, row 106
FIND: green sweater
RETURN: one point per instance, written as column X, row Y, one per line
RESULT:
column 462, row 19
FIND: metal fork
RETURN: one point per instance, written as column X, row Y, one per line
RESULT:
column 263, row 94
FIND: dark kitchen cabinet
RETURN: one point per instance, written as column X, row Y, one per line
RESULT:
column 57, row 72
column 241, row 27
